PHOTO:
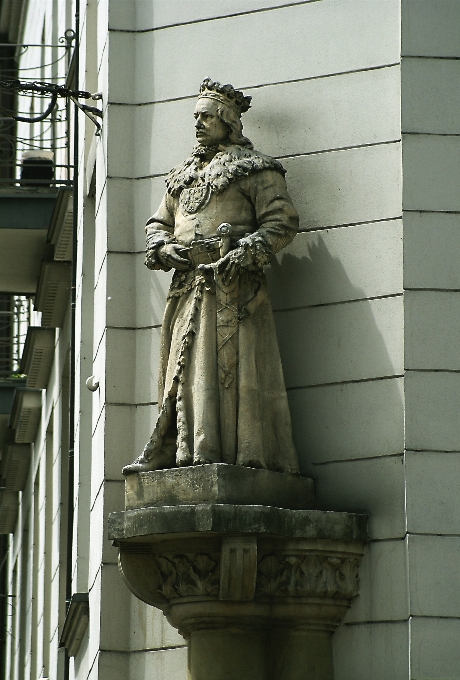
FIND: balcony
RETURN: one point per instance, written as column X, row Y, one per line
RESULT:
column 35, row 167
column 25, row 216
column 36, row 227
column 7, row 394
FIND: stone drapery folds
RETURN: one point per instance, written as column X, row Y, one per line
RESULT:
column 222, row 397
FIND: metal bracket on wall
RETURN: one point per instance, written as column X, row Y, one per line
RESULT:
column 54, row 91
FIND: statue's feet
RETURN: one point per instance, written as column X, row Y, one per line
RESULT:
column 145, row 463
column 183, row 458
column 200, row 460
column 141, row 464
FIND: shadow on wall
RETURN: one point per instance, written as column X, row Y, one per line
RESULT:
column 340, row 359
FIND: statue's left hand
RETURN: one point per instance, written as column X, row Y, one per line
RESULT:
column 230, row 265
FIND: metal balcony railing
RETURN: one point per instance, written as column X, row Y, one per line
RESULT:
column 33, row 155
column 15, row 316
column 45, row 144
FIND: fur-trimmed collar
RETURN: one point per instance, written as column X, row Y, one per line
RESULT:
column 229, row 164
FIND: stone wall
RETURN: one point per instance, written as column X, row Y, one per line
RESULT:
column 368, row 339
column 431, row 204
column 325, row 81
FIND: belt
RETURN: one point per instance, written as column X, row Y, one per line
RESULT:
column 202, row 252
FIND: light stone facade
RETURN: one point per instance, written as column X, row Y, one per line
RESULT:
column 360, row 101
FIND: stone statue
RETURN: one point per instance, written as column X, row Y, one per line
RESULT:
column 226, row 212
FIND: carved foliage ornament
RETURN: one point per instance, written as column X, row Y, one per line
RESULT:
column 277, row 575
column 187, row 575
column 308, row 576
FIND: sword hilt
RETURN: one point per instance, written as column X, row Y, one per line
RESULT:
column 225, row 231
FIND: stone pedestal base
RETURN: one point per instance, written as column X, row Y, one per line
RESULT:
column 218, row 483
column 257, row 590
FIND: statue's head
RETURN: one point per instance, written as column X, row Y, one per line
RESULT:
column 218, row 114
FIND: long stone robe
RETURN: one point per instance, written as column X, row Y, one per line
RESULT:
column 222, row 396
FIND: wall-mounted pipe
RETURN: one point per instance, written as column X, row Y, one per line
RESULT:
column 73, row 299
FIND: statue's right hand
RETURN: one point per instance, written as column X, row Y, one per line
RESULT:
column 170, row 256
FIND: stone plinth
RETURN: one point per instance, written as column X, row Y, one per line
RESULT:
column 256, row 589
column 218, row 483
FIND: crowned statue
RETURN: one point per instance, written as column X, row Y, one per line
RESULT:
column 225, row 213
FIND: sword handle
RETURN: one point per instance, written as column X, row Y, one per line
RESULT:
column 224, row 230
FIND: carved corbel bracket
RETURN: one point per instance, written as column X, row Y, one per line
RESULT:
column 281, row 578
column 257, row 590
column 238, row 568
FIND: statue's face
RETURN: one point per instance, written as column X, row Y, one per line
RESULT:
column 210, row 129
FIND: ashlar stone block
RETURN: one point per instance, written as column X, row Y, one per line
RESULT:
column 120, row 143
column 121, row 290
column 345, row 110
column 379, row 651
column 383, row 590
column 432, row 407
column 150, row 629
column 433, row 504
column 432, row 328
column 434, row 581
column 430, row 28
column 128, row 348
column 335, row 265
column 374, row 486
column 346, row 187
column 110, row 666
column 122, row 15
column 148, row 193
column 126, row 429
column 348, row 420
column 164, row 663
column 431, row 167
column 122, row 55
column 318, row 345
column 435, row 652
column 151, row 291
column 430, row 100
column 136, row 297
column 120, row 215
column 431, row 246
column 114, row 631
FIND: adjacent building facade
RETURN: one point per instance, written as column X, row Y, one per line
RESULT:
column 359, row 99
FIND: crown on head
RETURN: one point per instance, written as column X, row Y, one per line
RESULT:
column 226, row 94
